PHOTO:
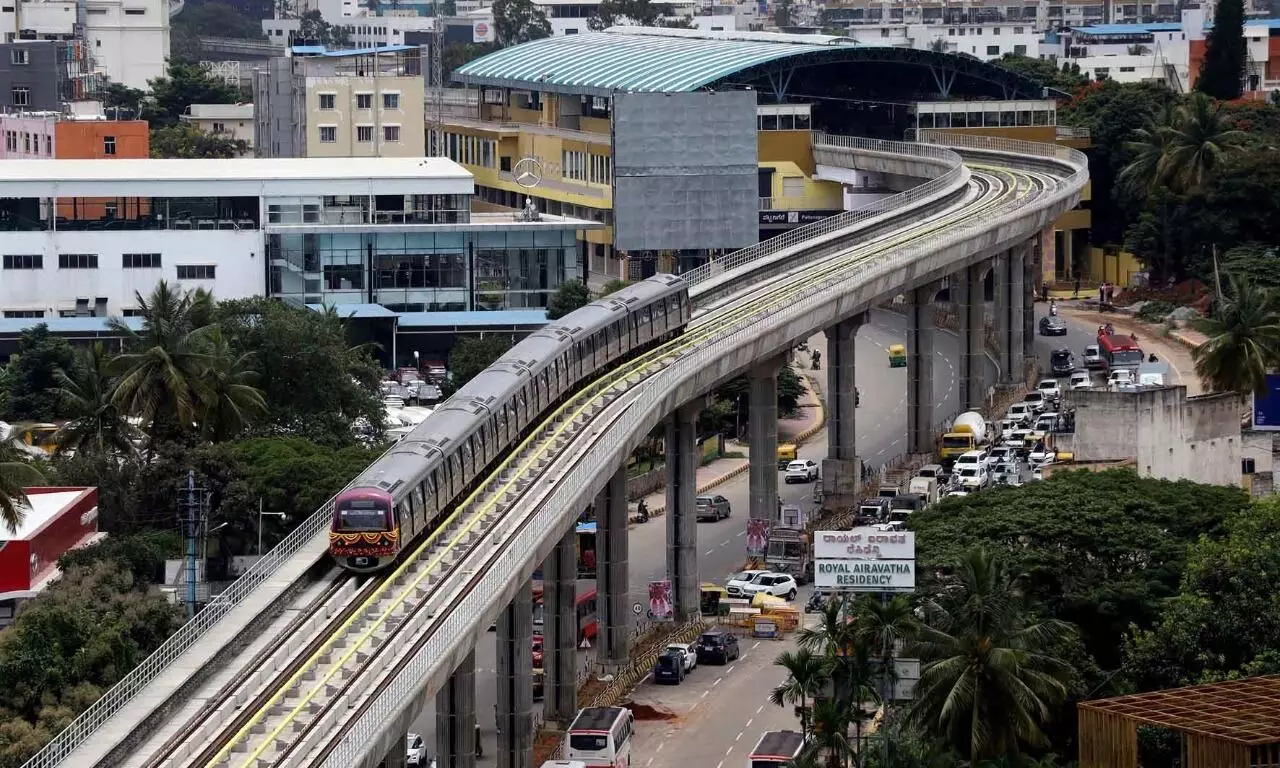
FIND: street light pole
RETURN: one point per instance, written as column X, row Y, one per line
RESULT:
column 261, row 513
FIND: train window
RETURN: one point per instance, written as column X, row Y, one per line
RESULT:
column 455, row 473
column 467, row 460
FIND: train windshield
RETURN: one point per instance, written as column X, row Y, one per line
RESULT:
column 362, row 515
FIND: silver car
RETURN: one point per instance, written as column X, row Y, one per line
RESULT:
column 713, row 507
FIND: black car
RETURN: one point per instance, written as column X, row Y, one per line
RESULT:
column 669, row 668
column 1052, row 325
column 717, row 648
column 1062, row 362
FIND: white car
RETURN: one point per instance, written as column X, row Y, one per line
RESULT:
column 999, row 455
column 1046, row 423
column 685, row 650
column 737, row 583
column 1121, row 377
column 415, row 750
column 1041, row 454
column 776, row 584
column 1093, row 357
column 1050, row 388
column 1036, row 399
column 971, row 459
column 802, row 471
column 1081, row 380
column 1021, row 413
column 974, row 478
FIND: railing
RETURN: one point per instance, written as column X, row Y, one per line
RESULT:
column 310, row 531
column 635, row 421
column 775, row 245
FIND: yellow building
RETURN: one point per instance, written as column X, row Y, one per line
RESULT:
column 318, row 103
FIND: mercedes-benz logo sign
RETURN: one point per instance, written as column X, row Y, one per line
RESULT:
column 528, row 173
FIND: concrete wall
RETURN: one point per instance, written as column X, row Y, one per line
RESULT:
column 1261, row 447
column 1167, row 434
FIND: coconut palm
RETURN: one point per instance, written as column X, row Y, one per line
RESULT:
column 1198, row 143
column 1243, row 341
column 985, row 685
column 831, row 733
column 229, row 398
column 15, row 474
column 807, row 676
column 832, row 634
column 94, row 420
column 1150, row 144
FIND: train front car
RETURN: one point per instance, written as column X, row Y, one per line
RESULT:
column 364, row 536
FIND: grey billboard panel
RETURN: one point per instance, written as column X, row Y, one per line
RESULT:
column 685, row 170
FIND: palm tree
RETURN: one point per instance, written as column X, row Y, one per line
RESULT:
column 95, row 422
column 807, row 675
column 229, row 398
column 985, row 685
column 1150, row 145
column 884, row 626
column 1243, row 339
column 159, row 378
column 15, row 474
column 1199, row 142
column 831, row 732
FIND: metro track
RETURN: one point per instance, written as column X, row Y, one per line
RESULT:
column 371, row 632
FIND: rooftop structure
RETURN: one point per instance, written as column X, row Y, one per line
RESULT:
column 54, row 521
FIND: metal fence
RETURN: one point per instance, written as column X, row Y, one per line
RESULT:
column 644, row 411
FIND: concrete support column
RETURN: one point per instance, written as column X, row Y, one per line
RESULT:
column 397, row 757
column 682, row 521
column 456, row 717
column 969, row 307
column 1019, row 299
column 763, row 457
column 842, row 469
column 1031, row 276
column 921, row 327
column 560, row 634
column 612, row 575
column 1000, row 315
column 515, row 682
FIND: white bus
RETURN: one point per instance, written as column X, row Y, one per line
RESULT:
column 776, row 749
column 601, row 737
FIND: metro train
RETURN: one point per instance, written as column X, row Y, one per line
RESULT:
column 412, row 488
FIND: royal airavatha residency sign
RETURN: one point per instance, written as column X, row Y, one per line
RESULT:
column 865, row 560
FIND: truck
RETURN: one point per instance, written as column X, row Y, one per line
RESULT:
column 1157, row 374
column 926, row 487
column 790, row 551
column 967, row 433
column 873, row 509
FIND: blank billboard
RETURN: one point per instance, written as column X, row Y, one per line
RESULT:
column 684, row 167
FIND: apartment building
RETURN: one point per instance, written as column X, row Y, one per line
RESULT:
column 124, row 40
column 361, row 103
column 233, row 121
column 27, row 135
column 45, row 75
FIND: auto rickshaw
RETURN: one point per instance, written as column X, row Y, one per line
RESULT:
column 786, row 454
column 712, row 600
column 898, row 356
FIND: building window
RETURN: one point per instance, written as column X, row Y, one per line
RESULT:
column 390, row 101
column 23, row 261
column 77, row 261
column 364, row 133
column 135, row 11
column 196, row 271
column 1019, row 50
column 219, row 127
column 390, row 133
column 132, row 312
column 23, row 314
column 140, row 260
column 20, row 56
column 993, row 50
column 364, row 101
column 26, row 142
column 328, row 134
column 108, row 145
column 328, row 101
column 48, row 144
column 20, row 96
column 11, row 141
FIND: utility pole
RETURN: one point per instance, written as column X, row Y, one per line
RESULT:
column 435, row 88
column 193, row 515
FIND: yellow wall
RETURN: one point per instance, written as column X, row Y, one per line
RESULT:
column 795, row 147
column 817, row 194
column 1043, row 133
column 346, row 118
column 1117, row 268
column 596, row 125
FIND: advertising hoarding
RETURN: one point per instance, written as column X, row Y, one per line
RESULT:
column 865, row 543
column 1266, row 409
column 865, row 575
column 757, row 537
column 660, row 605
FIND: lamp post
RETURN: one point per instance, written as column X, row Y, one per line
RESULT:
column 261, row 514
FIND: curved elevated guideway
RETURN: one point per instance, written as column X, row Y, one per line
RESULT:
column 336, row 679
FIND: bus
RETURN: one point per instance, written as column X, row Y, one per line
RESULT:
column 588, row 621
column 601, row 737
column 776, row 749
column 1119, row 351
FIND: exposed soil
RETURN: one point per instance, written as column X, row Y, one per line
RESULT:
column 646, row 712
column 544, row 746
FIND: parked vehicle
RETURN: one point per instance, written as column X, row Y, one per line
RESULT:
column 802, row 471
column 717, row 647
column 712, row 507
column 669, row 668
column 686, row 651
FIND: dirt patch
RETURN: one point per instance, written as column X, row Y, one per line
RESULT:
column 544, row 746
column 589, row 690
column 646, row 712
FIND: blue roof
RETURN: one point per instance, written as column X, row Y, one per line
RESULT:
column 358, row 311
column 60, row 325
column 637, row 59
column 509, row 318
column 1122, row 30
column 587, row 527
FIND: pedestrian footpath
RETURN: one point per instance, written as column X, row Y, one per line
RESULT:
column 807, row 422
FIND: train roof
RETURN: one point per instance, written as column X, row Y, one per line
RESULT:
column 781, row 744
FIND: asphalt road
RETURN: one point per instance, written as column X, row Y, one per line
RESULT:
column 882, row 425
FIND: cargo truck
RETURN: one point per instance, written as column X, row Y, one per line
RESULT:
column 790, row 552
column 968, row 432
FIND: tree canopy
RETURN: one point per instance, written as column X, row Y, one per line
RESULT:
column 182, row 86
column 571, row 295
column 1222, row 70
column 471, row 355
column 1045, row 72
column 519, row 21
column 187, row 141
column 33, row 375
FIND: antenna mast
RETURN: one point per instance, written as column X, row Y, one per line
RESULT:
column 435, row 87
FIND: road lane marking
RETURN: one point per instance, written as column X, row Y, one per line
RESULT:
column 711, row 551
column 750, row 721
column 646, row 765
column 759, row 709
column 757, row 644
column 728, row 751
column 742, row 533
column 717, row 682
column 662, row 744
column 720, row 764
column 739, row 737
column 704, row 694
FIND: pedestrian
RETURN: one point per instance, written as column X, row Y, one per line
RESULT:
column 1044, row 291
column 1077, row 295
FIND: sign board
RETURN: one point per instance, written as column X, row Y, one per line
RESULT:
column 482, row 31
column 637, row 609
column 660, row 607
column 586, row 643
column 866, row 575
column 865, row 543
column 906, row 674
column 757, row 537
column 765, row 628
column 1266, row 409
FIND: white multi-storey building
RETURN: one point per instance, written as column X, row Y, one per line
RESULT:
column 126, row 40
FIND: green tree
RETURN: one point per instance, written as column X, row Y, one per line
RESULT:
column 1101, row 550
column 613, row 286
column 1222, row 70
column 1044, row 72
column 519, row 21
column 807, row 674
column 142, row 554
column 314, row 27
column 231, row 400
column 457, row 54
column 183, row 140
column 15, row 475
column 95, row 421
column 33, row 375
column 882, row 627
column 1243, row 341
column 571, row 295
column 1149, row 150
column 122, row 101
column 1199, row 142
column 986, row 685
column 471, row 355
column 208, row 20
column 1255, row 264
column 182, row 86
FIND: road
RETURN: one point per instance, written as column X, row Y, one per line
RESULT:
column 721, row 547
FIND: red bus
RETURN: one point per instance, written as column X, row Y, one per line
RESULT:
column 1120, row 351
column 587, row 618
